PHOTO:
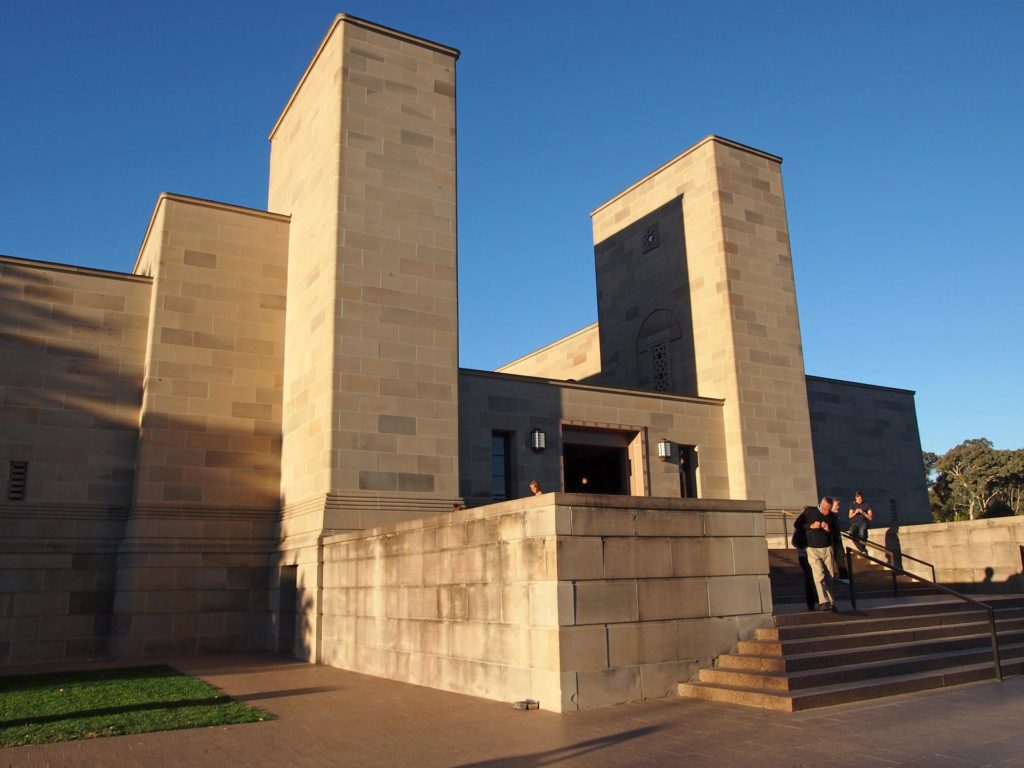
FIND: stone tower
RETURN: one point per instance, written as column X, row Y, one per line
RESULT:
column 696, row 296
column 363, row 163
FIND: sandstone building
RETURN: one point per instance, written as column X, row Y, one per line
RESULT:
column 191, row 453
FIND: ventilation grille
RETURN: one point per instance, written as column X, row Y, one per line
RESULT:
column 16, row 481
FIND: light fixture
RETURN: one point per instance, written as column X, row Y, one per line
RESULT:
column 664, row 450
column 538, row 440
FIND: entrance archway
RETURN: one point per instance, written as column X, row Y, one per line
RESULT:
column 596, row 460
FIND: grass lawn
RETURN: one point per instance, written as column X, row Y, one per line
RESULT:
column 60, row 706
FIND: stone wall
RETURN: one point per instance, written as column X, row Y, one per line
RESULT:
column 72, row 347
column 971, row 555
column 72, row 344
column 866, row 438
column 516, row 405
column 192, row 570
column 643, row 305
column 576, row 357
column 576, row 601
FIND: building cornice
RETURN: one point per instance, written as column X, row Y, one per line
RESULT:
column 861, row 384
column 564, row 384
column 72, row 269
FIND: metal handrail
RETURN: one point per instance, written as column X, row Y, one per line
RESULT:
column 896, row 569
column 786, row 534
column 890, row 552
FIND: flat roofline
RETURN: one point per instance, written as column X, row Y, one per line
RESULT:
column 204, row 203
column 54, row 266
column 548, row 346
column 710, row 138
column 357, row 22
column 862, row 384
column 565, row 384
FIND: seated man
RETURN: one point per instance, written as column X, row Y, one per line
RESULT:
column 860, row 515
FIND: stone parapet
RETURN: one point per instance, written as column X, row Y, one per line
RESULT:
column 974, row 555
column 574, row 600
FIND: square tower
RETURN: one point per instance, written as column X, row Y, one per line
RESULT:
column 696, row 296
column 363, row 161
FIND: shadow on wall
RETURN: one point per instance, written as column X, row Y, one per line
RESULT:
column 1011, row 584
column 71, row 383
column 188, row 578
column 892, row 543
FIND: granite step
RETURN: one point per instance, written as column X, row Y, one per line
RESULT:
column 862, row 639
column 866, row 670
column 831, row 695
column 820, row 659
column 899, row 607
column 849, row 623
column 796, row 662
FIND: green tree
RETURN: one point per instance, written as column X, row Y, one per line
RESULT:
column 969, row 479
column 974, row 470
column 1013, row 484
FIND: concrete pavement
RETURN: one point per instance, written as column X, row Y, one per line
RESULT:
column 329, row 717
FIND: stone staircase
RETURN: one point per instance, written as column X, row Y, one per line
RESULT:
column 873, row 581
column 896, row 645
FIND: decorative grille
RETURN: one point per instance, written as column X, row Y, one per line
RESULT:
column 661, row 367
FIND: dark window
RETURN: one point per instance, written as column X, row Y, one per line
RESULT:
column 688, row 471
column 501, row 466
column 16, row 481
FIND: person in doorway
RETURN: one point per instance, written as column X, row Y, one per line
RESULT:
column 819, row 551
column 535, row 488
column 861, row 514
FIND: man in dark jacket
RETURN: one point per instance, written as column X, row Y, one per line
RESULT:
column 818, row 524
column 799, row 541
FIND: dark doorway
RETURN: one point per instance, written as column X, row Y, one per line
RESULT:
column 288, row 590
column 688, row 471
column 596, row 469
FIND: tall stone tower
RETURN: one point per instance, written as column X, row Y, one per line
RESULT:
column 363, row 163
column 696, row 296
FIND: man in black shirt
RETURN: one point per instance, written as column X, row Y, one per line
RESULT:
column 861, row 514
column 819, row 524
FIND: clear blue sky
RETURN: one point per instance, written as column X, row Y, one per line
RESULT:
column 900, row 124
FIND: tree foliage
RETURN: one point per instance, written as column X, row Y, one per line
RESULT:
column 975, row 480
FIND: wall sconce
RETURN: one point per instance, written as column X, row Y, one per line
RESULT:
column 538, row 440
column 664, row 450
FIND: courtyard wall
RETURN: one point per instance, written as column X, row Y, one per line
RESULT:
column 972, row 555
column 574, row 600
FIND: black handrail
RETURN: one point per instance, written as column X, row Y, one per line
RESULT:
column 897, row 570
column 890, row 552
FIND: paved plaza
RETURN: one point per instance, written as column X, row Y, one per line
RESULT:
column 330, row 717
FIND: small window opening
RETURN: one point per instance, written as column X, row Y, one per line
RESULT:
column 16, row 481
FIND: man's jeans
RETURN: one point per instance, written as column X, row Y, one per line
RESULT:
column 859, row 530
